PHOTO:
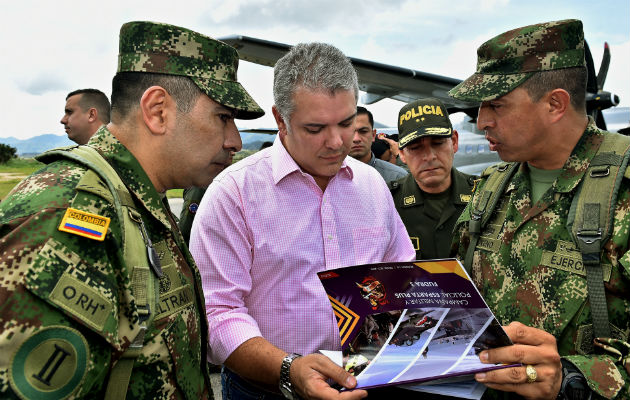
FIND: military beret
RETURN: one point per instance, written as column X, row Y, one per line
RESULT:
column 422, row 118
column 168, row 49
column 509, row 59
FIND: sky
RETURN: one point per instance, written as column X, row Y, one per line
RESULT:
column 50, row 48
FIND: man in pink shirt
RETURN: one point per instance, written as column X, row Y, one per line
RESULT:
column 269, row 223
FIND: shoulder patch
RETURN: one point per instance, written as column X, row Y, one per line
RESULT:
column 84, row 224
column 51, row 364
column 82, row 301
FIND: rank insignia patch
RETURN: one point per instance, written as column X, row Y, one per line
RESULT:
column 50, row 364
column 84, row 224
column 409, row 200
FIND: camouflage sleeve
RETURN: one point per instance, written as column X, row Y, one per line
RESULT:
column 58, row 296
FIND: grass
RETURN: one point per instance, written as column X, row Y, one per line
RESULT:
column 20, row 168
column 14, row 171
column 25, row 166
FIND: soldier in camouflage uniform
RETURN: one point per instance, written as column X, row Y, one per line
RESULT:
column 74, row 313
column 430, row 199
column 531, row 85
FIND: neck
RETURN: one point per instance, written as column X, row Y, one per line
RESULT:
column 562, row 138
column 133, row 137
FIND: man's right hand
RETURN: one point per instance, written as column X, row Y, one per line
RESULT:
column 309, row 374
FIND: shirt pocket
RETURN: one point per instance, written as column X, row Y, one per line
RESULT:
column 370, row 244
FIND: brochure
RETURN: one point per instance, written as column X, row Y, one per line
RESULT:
column 419, row 322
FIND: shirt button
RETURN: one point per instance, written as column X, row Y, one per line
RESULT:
column 330, row 237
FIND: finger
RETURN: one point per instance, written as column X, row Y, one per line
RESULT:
column 331, row 370
column 518, row 375
column 521, row 354
column 524, row 334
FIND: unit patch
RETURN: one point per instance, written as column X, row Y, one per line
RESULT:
column 84, row 224
column 50, row 364
column 82, row 301
column 174, row 301
column 409, row 200
column 465, row 198
column 568, row 258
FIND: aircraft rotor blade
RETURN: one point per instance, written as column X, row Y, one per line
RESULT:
column 603, row 68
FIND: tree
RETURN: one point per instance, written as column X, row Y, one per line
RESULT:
column 6, row 153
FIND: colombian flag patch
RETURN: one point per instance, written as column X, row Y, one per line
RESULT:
column 84, row 224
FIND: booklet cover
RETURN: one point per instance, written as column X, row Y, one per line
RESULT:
column 411, row 322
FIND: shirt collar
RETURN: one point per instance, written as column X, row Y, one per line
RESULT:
column 282, row 164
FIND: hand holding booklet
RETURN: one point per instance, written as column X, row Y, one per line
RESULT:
column 412, row 322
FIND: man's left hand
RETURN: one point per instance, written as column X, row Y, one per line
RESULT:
column 532, row 347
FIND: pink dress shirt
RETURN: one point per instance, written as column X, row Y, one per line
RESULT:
column 262, row 232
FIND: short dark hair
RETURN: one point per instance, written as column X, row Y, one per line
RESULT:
column 363, row 110
column 128, row 87
column 573, row 80
column 93, row 98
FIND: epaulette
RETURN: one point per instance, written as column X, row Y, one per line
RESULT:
column 488, row 171
column 393, row 186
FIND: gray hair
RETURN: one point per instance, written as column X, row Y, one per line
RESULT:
column 313, row 66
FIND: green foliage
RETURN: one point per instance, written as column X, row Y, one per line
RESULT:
column 14, row 171
column 7, row 153
column 175, row 193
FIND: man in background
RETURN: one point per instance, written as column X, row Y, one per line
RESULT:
column 86, row 110
column 364, row 135
column 431, row 198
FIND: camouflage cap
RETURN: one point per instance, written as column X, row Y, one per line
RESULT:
column 168, row 49
column 509, row 59
column 421, row 118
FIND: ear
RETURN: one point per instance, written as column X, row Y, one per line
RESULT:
column 373, row 135
column 282, row 126
column 558, row 102
column 92, row 115
column 158, row 109
column 455, row 139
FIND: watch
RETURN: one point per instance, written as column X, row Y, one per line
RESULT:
column 285, row 380
column 574, row 385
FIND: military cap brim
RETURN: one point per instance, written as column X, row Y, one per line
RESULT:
column 485, row 87
column 230, row 94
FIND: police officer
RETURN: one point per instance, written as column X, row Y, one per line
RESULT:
column 546, row 236
column 99, row 296
column 431, row 198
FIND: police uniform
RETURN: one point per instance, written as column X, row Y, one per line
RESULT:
column 71, row 306
column 525, row 262
column 431, row 237
column 428, row 217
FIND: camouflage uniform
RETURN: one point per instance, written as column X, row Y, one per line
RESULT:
column 68, row 304
column 526, row 264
